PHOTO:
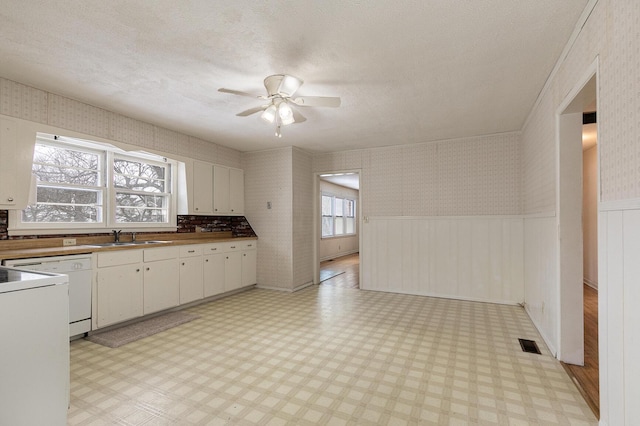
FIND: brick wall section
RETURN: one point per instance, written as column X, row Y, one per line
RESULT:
column 238, row 225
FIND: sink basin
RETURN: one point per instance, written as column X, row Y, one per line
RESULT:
column 127, row 243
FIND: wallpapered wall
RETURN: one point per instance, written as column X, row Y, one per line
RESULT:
column 458, row 177
column 28, row 103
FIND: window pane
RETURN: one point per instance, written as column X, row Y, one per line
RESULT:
column 339, row 206
column 326, row 205
column 339, row 226
column 137, row 183
column 138, row 176
column 351, row 225
column 349, row 209
column 140, row 200
column 68, row 175
column 327, row 226
column 67, row 195
column 54, row 155
column 53, row 213
column 133, row 214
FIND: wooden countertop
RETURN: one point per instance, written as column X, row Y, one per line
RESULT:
column 23, row 248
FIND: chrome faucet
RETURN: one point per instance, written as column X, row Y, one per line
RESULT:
column 116, row 236
column 133, row 237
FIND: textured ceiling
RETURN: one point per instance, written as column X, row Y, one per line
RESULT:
column 407, row 71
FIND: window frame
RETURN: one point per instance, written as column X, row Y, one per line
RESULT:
column 344, row 216
column 108, row 153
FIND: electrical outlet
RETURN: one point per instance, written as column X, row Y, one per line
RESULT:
column 69, row 242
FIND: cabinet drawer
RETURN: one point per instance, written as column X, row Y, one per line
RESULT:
column 191, row 251
column 119, row 257
column 212, row 248
column 249, row 245
column 234, row 246
column 164, row 253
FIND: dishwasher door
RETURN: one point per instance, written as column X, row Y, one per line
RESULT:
column 78, row 268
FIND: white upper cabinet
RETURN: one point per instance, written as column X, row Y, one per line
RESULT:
column 215, row 190
column 16, row 158
column 202, row 189
column 221, row 190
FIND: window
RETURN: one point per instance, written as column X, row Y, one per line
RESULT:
column 80, row 184
column 338, row 216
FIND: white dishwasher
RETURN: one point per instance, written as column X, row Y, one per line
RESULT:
column 78, row 268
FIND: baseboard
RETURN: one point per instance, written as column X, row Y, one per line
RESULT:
column 547, row 342
column 337, row 255
column 285, row 290
column 593, row 285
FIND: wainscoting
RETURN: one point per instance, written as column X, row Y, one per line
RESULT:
column 476, row 258
column 619, row 315
column 541, row 275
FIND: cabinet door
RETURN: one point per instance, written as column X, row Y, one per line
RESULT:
column 16, row 158
column 236, row 191
column 249, row 258
column 191, row 282
column 202, row 188
column 161, row 285
column 120, row 293
column 213, row 270
column 232, row 271
column 220, row 190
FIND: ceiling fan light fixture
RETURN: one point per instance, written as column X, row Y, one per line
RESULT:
column 269, row 114
column 285, row 113
column 289, row 85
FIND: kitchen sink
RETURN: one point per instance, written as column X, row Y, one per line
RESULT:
column 128, row 243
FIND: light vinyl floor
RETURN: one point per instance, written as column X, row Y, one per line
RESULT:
column 328, row 355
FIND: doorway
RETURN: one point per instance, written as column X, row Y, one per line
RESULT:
column 578, row 195
column 337, row 228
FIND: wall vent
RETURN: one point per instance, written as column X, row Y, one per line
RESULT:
column 529, row 346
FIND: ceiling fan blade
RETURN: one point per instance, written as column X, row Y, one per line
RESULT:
column 238, row 92
column 317, row 101
column 252, row 111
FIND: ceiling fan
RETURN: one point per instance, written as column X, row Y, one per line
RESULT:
column 280, row 91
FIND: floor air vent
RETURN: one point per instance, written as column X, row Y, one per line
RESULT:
column 529, row 346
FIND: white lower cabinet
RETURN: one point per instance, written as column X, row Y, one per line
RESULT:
column 119, row 286
column 249, row 263
column 132, row 283
column 191, row 275
column 161, row 279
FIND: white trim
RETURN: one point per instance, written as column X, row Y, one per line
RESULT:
column 515, row 216
column 577, row 29
column 285, row 290
column 540, row 215
column 540, row 330
column 451, row 297
column 619, row 205
column 592, row 284
column 340, row 254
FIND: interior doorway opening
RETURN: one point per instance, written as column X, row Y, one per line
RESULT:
column 578, row 195
column 337, row 228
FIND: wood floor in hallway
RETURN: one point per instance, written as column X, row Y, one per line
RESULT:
column 341, row 272
column 587, row 377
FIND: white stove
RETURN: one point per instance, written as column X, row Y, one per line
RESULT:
column 34, row 360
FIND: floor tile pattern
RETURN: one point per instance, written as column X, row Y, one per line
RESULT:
column 328, row 355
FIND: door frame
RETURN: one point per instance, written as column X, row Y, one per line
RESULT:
column 317, row 225
column 570, row 274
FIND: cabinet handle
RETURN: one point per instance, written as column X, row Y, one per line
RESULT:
column 244, row 254
column 10, row 199
column 249, row 245
column 233, row 246
column 216, row 209
column 232, row 210
column 206, row 260
column 191, row 251
column 138, row 270
column 196, row 209
column 147, row 269
column 227, row 257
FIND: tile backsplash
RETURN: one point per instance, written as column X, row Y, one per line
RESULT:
column 238, row 225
